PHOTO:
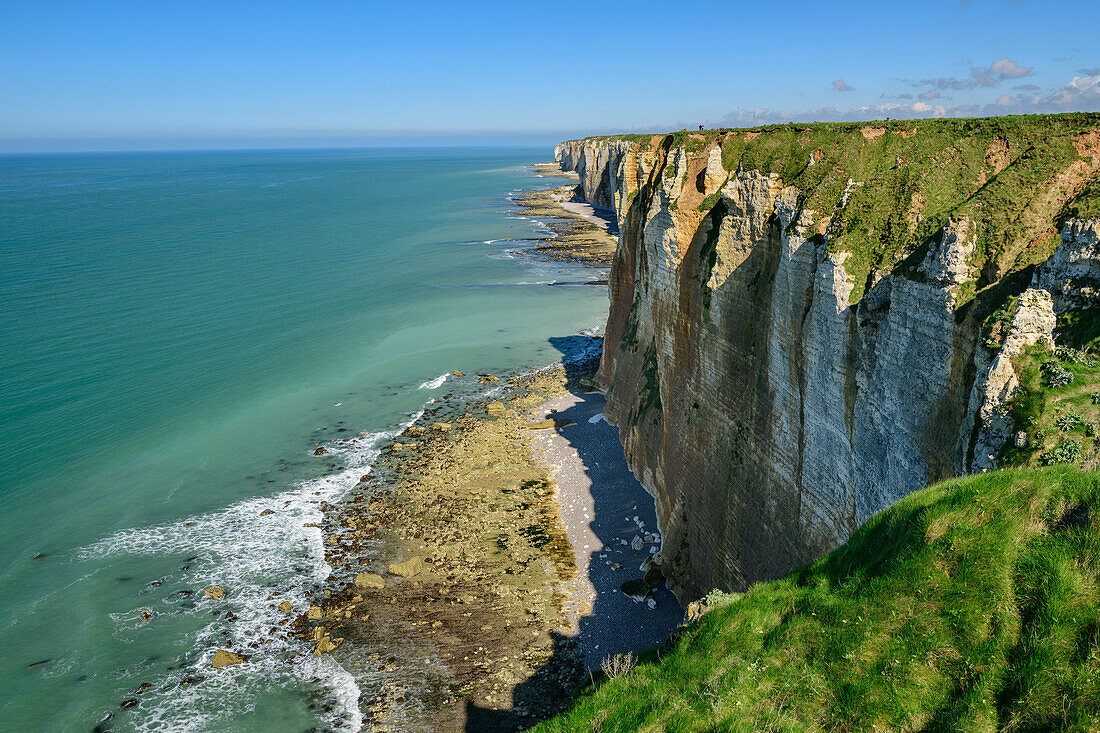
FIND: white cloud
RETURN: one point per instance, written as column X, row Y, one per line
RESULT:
column 841, row 86
column 1080, row 94
column 997, row 72
column 1006, row 68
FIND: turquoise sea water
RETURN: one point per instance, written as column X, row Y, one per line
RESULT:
column 176, row 332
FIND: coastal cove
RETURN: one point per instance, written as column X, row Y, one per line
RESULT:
column 287, row 301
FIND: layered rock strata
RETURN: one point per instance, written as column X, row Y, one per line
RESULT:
column 772, row 389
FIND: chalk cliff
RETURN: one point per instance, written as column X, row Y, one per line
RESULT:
column 809, row 322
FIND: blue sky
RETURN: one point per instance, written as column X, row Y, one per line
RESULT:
column 86, row 75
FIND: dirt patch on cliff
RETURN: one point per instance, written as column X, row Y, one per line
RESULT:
column 870, row 132
column 997, row 155
column 916, row 206
column 1088, row 145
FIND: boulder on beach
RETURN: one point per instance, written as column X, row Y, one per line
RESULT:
column 549, row 423
column 286, row 607
column 320, row 451
column 443, row 427
column 407, row 569
column 495, row 409
column 369, row 581
column 215, row 592
column 223, row 658
column 327, row 644
column 637, row 589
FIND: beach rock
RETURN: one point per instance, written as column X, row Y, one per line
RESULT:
column 215, row 591
column 654, row 575
column 327, row 644
column 315, row 613
column 495, row 409
column 588, row 385
column 487, row 378
column 370, row 581
column 637, row 589
column 267, row 512
column 637, row 543
column 41, row 663
column 548, row 423
column 127, row 704
column 407, row 569
column 223, row 658
column 443, row 427
column 320, row 451
column 286, row 607
column 146, row 615
column 457, row 374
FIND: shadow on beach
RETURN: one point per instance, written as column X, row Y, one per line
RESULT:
column 605, row 508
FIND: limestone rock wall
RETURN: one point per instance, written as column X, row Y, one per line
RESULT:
column 767, row 414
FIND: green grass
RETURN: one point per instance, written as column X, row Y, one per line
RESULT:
column 971, row 605
column 1058, row 417
column 917, row 176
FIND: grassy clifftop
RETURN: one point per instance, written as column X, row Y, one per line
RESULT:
column 973, row 604
column 1013, row 178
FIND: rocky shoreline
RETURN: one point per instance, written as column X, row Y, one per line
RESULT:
column 453, row 594
column 450, row 563
column 581, row 234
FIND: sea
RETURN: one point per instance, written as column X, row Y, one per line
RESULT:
column 178, row 332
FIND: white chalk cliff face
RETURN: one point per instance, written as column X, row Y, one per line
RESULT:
column 767, row 414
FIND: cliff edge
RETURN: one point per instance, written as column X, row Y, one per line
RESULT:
column 809, row 322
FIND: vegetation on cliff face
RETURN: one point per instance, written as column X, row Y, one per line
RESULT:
column 881, row 190
column 973, row 604
column 1057, row 407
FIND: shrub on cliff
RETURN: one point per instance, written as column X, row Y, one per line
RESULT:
column 970, row 605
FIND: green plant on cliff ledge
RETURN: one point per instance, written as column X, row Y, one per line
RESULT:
column 969, row 605
column 1055, row 398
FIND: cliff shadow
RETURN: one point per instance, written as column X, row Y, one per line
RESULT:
column 612, row 525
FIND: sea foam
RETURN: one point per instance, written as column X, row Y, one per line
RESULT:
column 252, row 557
